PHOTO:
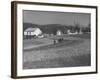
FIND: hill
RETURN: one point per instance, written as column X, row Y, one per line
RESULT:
column 49, row 28
column 52, row 28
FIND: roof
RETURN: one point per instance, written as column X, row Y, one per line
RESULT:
column 31, row 29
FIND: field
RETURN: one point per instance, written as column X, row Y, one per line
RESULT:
column 73, row 51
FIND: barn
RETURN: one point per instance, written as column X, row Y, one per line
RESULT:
column 31, row 32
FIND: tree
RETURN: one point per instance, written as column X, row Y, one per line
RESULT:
column 77, row 27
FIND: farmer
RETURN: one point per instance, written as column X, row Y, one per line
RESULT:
column 54, row 41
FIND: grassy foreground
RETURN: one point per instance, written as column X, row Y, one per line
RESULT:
column 73, row 51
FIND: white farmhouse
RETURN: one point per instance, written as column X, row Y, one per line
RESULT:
column 32, row 31
column 59, row 32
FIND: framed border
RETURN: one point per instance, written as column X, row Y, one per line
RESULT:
column 14, row 37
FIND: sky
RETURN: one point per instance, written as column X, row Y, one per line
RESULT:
column 48, row 17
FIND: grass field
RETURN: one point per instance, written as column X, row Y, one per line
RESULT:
column 73, row 51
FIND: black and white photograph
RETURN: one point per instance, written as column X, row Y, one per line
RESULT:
column 56, row 39
column 53, row 39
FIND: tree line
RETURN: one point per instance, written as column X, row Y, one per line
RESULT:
column 52, row 28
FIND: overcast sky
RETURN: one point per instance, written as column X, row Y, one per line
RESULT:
column 44, row 17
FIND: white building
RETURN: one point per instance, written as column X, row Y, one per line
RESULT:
column 59, row 32
column 32, row 31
